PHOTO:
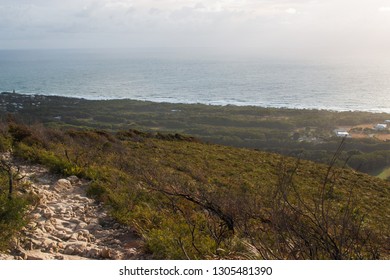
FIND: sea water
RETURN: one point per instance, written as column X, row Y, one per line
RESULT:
column 167, row 77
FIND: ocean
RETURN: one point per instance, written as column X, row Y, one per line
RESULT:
column 169, row 77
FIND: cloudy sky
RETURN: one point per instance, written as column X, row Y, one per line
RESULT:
column 316, row 27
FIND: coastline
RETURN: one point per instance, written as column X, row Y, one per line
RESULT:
column 221, row 103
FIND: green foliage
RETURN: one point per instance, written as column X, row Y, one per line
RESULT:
column 267, row 129
column 370, row 162
column 19, row 132
column 5, row 143
column 12, row 218
column 190, row 200
column 56, row 163
column 96, row 190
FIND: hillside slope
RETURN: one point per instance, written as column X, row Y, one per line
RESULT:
column 192, row 200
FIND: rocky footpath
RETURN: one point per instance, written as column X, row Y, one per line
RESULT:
column 65, row 224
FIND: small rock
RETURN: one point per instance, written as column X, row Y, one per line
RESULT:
column 106, row 253
column 61, row 210
column 73, row 179
column 34, row 257
column 69, row 250
column 32, row 225
column 79, row 249
column 82, row 238
column 62, row 185
column 116, row 226
column 74, row 221
column 47, row 213
column 73, row 238
column 93, row 253
column 36, row 216
column 83, row 232
column 47, row 244
column 53, row 221
column 34, row 244
column 49, row 228
column 42, row 206
column 29, row 245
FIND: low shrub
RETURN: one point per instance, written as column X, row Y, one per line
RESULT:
column 12, row 218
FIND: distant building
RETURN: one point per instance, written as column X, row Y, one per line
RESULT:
column 342, row 134
column 381, row 126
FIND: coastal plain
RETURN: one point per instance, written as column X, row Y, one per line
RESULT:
column 311, row 134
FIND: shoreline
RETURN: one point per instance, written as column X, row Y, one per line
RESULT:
column 179, row 103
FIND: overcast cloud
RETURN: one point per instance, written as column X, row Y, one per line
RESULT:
column 306, row 27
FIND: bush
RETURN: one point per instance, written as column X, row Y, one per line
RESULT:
column 11, row 218
column 97, row 190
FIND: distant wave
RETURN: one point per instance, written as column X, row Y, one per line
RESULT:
column 240, row 83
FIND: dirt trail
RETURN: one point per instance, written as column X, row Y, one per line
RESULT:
column 66, row 224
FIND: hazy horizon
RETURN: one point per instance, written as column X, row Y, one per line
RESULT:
column 277, row 28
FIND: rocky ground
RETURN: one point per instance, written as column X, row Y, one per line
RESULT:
column 66, row 224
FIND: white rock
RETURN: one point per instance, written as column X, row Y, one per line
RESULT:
column 36, row 216
column 73, row 237
column 62, row 235
column 81, row 225
column 82, row 238
column 62, row 185
column 69, row 250
column 32, row 225
column 49, row 227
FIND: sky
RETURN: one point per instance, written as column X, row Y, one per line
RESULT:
column 265, row 27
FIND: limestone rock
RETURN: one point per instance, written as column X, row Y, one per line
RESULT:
column 66, row 224
column 73, row 179
column 93, row 253
column 62, row 185
column 106, row 253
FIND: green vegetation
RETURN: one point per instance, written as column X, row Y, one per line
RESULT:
column 13, row 205
column 12, row 218
column 14, row 200
column 307, row 133
column 385, row 174
column 188, row 199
